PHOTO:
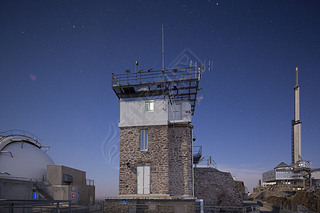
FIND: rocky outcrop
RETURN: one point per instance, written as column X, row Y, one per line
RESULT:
column 216, row 188
column 307, row 199
column 291, row 199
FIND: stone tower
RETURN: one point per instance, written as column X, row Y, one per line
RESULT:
column 156, row 132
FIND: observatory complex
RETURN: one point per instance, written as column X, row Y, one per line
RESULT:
column 296, row 176
column 27, row 172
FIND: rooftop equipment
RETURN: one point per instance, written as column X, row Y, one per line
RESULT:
column 180, row 84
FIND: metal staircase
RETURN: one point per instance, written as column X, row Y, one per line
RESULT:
column 42, row 190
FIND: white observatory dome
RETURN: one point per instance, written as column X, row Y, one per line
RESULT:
column 21, row 156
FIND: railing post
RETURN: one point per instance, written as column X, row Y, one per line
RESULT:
column 11, row 208
column 58, row 211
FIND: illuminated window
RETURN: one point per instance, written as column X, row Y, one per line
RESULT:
column 144, row 140
column 149, row 106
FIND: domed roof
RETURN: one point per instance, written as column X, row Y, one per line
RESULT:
column 21, row 156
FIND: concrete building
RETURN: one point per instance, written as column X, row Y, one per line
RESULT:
column 66, row 183
column 284, row 174
column 27, row 172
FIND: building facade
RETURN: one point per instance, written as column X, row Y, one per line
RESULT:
column 162, row 166
column 159, row 170
column 284, row 174
column 155, row 148
column 156, row 132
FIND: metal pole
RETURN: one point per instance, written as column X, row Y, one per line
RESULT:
column 11, row 208
column 192, row 164
column 58, row 210
column 162, row 50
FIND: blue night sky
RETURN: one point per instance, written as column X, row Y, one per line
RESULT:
column 57, row 56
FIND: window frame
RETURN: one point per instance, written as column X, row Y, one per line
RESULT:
column 144, row 140
column 147, row 105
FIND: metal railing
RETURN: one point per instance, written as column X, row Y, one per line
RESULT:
column 197, row 154
column 157, row 75
column 45, row 206
column 11, row 206
column 189, row 208
column 17, row 132
column 231, row 209
column 295, row 208
column 21, row 178
column 42, row 189
column 206, row 161
column 89, row 182
column 197, row 150
column 21, row 135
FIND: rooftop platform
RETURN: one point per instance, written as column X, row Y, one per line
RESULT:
column 181, row 84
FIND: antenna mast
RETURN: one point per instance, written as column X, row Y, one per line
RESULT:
column 297, row 76
column 162, row 49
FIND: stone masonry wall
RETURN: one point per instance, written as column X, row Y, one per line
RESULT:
column 180, row 160
column 216, row 188
column 156, row 157
column 168, row 155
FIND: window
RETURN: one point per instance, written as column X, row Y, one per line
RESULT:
column 144, row 140
column 149, row 106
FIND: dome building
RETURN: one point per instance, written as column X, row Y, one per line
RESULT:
column 22, row 156
column 27, row 172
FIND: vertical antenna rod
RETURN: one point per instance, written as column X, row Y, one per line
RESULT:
column 297, row 76
column 162, row 49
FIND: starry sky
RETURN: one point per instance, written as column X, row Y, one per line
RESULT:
column 57, row 56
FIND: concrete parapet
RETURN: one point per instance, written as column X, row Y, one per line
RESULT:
column 15, row 189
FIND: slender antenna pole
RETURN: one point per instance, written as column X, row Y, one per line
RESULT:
column 162, row 49
column 297, row 76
